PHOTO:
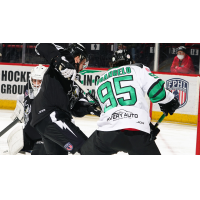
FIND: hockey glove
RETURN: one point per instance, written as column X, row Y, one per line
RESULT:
column 93, row 110
column 67, row 70
column 169, row 107
column 154, row 132
column 83, row 108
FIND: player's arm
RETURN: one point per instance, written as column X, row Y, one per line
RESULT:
column 154, row 86
column 187, row 68
column 47, row 50
column 173, row 67
column 51, row 53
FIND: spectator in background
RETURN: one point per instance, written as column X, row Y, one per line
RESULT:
column 121, row 46
column 182, row 63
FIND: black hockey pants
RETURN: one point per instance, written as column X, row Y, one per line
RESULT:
column 60, row 135
column 39, row 149
column 111, row 142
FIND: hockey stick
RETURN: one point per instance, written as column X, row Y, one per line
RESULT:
column 16, row 120
column 154, row 127
column 159, row 121
column 87, row 93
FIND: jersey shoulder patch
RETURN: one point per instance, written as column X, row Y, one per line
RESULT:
column 138, row 64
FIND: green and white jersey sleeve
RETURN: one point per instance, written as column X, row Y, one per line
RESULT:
column 121, row 94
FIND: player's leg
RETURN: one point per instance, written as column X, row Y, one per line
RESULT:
column 50, row 145
column 61, row 132
column 31, row 136
column 15, row 140
column 39, row 149
column 98, row 144
column 88, row 148
column 141, row 144
column 28, row 143
column 132, row 142
column 115, row 140
column 52, row 148
column 150, row 149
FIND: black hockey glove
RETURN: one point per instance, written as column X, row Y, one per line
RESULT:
column 169, row 107
column 154, row 132
column 83, row 108
column 93, row 110
column 66, row 69
column 61, row 61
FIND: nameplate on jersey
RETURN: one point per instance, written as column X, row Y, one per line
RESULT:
column 114, row 72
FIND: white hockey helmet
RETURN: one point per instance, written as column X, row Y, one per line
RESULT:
column 37, row 73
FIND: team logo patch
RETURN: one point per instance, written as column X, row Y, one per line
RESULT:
column 68, row 146
column 121, row 114
column 180, row 88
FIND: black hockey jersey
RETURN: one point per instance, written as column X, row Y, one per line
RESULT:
column 28, row 99
column 52, row 96
column 55, row 89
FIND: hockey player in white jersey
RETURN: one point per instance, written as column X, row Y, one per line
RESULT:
column 124, row 124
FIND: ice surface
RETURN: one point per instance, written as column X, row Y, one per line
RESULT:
column 174, row 138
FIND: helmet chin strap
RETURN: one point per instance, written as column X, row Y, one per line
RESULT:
column 77, row 67
column 35, row 92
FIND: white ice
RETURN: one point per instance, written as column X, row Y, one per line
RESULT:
column 174, row 138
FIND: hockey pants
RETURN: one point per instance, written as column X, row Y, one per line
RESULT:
column 39, row 149
column 60, row 136
column 111, row 142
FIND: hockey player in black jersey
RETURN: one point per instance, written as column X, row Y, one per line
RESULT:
column 53, row 107
column 124, row 123
column 32, row 139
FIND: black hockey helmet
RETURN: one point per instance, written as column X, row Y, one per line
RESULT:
column 77, row 49
column 122, row 55
column 182, row 48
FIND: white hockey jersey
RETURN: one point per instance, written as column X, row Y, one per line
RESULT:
column 121, row 94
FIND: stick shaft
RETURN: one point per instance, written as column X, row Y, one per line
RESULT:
column 16, row 120
column 86, row 91
column 160, row 120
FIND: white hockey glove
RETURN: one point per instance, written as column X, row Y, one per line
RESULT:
column 19, row 109
column 20, row 98
column 63, row 65
column 67, row 73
